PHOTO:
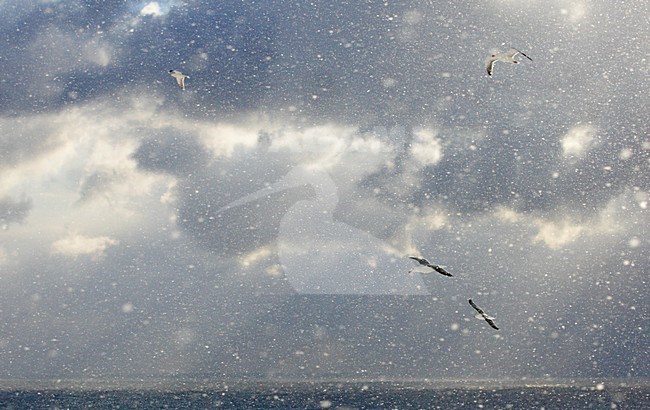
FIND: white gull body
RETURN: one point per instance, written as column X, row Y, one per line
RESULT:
column 180, row 78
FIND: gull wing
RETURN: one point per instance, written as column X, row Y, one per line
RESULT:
column 421, row 261
column 491, row 323
column 489, row 65
column 181, row 82
column 428, row 264
column 513, row 52
column 441, row 270
column 478, row 309
column 485, row 317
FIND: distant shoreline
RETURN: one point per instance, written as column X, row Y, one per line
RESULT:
column 179, row 384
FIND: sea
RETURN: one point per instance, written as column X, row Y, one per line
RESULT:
column 327, row 395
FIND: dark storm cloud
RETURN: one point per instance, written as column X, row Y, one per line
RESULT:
column 172, row 298
column 333, row 64
column 361, row 63
column 380, row 65
column 207, row 185
column 526, row 169
column 170, row 151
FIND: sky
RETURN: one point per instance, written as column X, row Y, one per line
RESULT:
column 258, row 224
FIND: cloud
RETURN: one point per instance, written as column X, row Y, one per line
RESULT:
column 170, row 151
column 578, row 141
column 574, row 10
column 425, row 148
column 75, row 245
column 431, row 219
column 223, row 138
column 151, row 9
column 106, row 140
column 565, row 230
column 13, row 211
column 557, row 234
column 520, row 184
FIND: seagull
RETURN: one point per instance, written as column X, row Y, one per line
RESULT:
column 180, row 78
column 487, row 318
column 507, row 57
column 428, row 264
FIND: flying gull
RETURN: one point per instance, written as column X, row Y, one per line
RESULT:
column 428, row 264
column 487, row 318
column 180, row 78
column 507, row 57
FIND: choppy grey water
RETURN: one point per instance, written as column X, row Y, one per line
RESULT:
column 334, row 395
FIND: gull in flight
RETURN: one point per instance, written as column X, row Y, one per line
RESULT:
column 488, row 319
column 507, row 57
column 180, row 78
column 428, row 264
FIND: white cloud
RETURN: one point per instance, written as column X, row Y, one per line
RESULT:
column 578, row 141
column 322, row 144
column 329, row 145
column 223, row 138
column 75, row 245
column 556, row 234
column 426, row 149
column 574, row 10
column 564, row 230
column 78, row 143
column 83, row 167
column 508, row 215
column 151, row 9
column 430, row 218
